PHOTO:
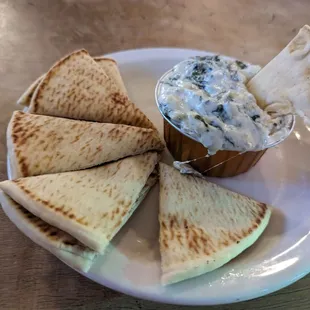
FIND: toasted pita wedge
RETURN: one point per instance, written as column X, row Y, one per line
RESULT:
column 108, row 65
column 111, row 69
column 77, row 87
column 202, row 225
column 90, row 205
column 25, row 98
column 284, row 83
column 62, row 245
column 56, row 241
column 42, row 144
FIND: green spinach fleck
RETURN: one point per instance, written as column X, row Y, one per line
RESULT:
column 241, row 64
column 255, row 117
column 198, row 117
column 228, row 140
column 219, row 109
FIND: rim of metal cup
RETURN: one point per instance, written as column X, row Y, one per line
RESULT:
column 157, row 89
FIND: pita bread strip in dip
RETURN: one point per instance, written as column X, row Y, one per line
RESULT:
column 283, row 85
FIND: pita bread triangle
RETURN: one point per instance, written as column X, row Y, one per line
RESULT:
column 62, row 245
column 25, row 98
column 91, row 205
column 58, row 242
column 110, row 67
column 42, row 144
column 107, row 64
column 202, row 225
column 77, row 87
column 283, row 85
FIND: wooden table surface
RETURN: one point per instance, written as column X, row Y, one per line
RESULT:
column 35, row 33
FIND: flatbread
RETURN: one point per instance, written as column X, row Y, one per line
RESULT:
column 25, row 98
column 77, row 87
column 62, row 245
column 284, row 83
column 108, row 65
column 202, row 225
column 42, row 144
column 56, row 241
column 90, row 205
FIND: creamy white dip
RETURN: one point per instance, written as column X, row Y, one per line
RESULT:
column 207, row 99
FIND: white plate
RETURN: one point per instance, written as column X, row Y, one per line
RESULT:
column 282, row 179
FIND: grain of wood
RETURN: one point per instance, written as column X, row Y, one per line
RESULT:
column 35, row 33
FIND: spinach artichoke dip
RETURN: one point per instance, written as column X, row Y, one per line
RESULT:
column 207, row 99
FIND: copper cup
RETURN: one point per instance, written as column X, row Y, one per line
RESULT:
column 183, row 148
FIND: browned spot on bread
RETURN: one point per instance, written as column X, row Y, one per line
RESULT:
column 263, row 206
column 15, row 138
column 203, row 240
column 179, row 238
column 238, row 236
column 232, row 237
column 59, row 209
column 46, row 229
column 205, row 251
column 68, row 242
column 196, row 244
column 225, row 243
column 71, row 216
column 27, row 191
column 163, row 224
column 106, row 59
column 24, row 166
column 81, row 220
column 118, row 224
column 119, row 99
column 185, row 224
